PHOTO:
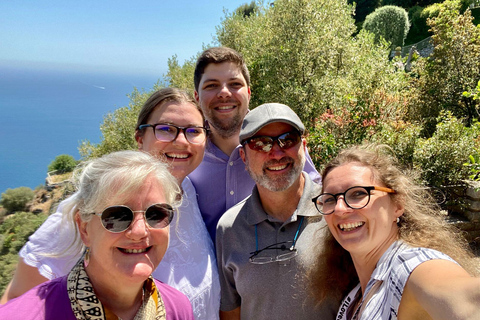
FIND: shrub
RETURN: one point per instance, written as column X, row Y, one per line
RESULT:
column 357, row 122
column 442, row 156
column 14, row 233
column 63, row 163
column 390, row 23
column 452, row 69
column 16, row 199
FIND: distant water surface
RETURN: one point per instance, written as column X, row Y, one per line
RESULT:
column 47, row 113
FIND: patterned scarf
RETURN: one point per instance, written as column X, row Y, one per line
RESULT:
column 86, row 305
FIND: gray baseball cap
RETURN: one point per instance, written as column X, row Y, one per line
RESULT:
column 268, row 113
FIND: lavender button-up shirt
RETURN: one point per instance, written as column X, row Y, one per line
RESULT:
column 222, row 181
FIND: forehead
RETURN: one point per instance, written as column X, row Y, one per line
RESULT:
column 346, row 176
column 144, row 194
column 274, row 129
column 222, row 71
column 175, row 111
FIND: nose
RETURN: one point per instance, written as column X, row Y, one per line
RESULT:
column 138, row 228
column 224, row 92
column 181, row 138
column 276, row 151
column 341, row 205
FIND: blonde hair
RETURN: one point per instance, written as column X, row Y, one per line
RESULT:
column 116, row 176
column 421, row 225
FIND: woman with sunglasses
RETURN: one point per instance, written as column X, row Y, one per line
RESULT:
column 121, row 213
column 388, row 251
column 170, row 126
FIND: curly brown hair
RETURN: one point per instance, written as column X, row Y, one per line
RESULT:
column 421, row 225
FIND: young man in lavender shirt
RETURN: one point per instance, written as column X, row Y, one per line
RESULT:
column 222, row 88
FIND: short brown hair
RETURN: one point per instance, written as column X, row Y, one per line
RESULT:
column 219, row 55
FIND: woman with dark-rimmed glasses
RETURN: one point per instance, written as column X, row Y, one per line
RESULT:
column 170, row 126
column 122, row 209
column 388, row 251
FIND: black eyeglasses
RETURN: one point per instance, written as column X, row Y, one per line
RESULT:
column 291, row 251
column 119, row 218
column 168, row 132
column 354, row 197
column 265, row 143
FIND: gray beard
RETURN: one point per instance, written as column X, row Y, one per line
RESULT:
column 281, row 183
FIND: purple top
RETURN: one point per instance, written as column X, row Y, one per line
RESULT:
column 222, row 181
column 49, row 301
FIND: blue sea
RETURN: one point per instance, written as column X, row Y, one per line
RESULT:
column 45, row 113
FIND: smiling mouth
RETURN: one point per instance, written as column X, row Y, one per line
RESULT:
column 350, row 226
column 177, row 155
column 226, row 108
column 278, row 167
column 134, row 250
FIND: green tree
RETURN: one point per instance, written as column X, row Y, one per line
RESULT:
column 454, row 67
column 63, row 163
column 305, row 55
column 390, row 23
column 16, row 199
column 246, row 9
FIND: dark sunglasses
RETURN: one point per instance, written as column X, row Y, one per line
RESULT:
column 265, row 143
column 119, row 218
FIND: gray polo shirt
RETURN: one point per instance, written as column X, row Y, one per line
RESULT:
column 276, row 290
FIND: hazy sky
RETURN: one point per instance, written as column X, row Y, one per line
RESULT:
column 133, row 35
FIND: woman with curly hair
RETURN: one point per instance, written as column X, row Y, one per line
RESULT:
column 388, row 251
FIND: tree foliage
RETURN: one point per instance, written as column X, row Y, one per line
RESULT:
column 441, row 157
column 246, row 10
column 453, row 68
column 304, row 55
column 16, row 199
column 390, row 23
column 63, row 163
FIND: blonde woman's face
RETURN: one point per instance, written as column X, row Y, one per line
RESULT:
column 132, row 255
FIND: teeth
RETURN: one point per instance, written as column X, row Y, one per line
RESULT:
column 350, row 226
column 177, row 155
column 225, row 107
column 134, row 250
column 276, row 168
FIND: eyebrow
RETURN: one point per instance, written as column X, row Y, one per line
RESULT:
column 230, row 79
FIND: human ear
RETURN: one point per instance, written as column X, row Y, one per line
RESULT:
column 82, row 229
column 242, row 154
column 139, row 138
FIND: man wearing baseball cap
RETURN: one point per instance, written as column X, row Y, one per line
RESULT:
column 264, row 243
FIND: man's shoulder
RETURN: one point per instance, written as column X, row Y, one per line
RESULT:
column 231, row 214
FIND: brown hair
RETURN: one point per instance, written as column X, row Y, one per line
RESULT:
column 219, row 55
column 421, row 225
column 157, row 99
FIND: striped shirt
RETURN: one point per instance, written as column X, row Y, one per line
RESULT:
column 385, row 288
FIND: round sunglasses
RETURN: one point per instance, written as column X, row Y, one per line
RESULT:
column 119, row 218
